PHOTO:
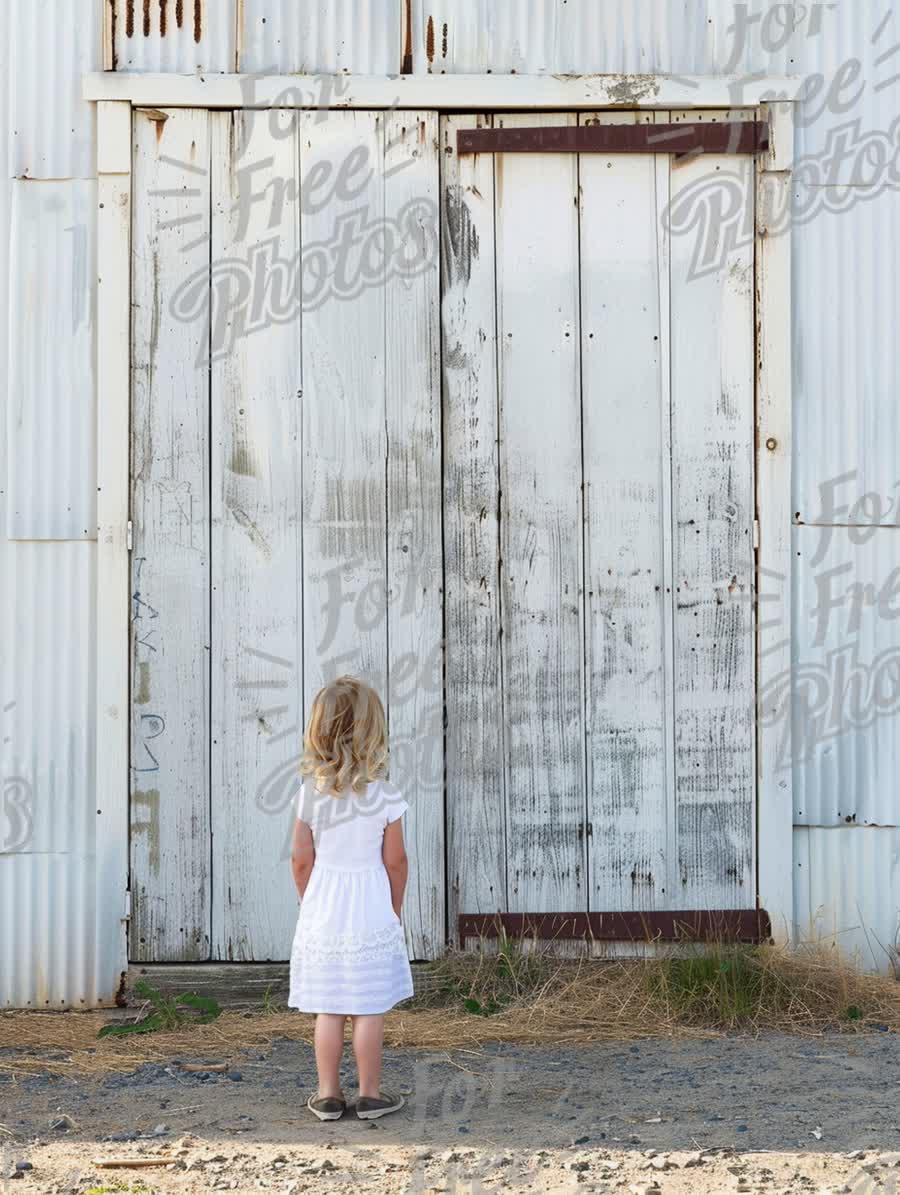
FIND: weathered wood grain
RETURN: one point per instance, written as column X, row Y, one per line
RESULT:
column 475, row 792
column 170, row 831
column 343, row 429
column 713, row 511
column 541, row 525
column 627, row 477
column 257, row 697
column 414, row 556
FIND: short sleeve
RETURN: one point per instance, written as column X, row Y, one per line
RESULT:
column 304, row 803
column 395, row 807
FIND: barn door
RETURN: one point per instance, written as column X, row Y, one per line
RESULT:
column 598, row 397
column 286, row 500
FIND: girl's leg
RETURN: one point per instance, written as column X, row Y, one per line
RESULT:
column 368, row 1036
column 329, row 1042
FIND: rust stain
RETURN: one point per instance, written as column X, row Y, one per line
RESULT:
column 113, row 17
column 179, row 13
column 406, row 58
column 129, row 18
column 198, row 20
column 429, row 41
column 146, row 18
column 162, row 17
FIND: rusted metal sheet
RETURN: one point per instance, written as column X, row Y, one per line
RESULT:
column 50, row 418
column 321, row 37
column 685, row 925
column 50, row 129
column 172, row 35
column 725, row 137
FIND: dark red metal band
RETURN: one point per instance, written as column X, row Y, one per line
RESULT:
column 723, row 137
column 689, row 925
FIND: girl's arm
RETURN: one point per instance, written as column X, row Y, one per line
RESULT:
column 303, row 855
column 396, row 864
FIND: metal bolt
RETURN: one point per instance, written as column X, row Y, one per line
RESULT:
column 771, row 443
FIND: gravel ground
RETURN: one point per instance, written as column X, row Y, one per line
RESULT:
column 772, row 1114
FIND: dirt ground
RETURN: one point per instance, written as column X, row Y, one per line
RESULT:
column 772, row 1114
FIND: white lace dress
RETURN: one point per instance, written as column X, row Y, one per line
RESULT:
column 349, row 953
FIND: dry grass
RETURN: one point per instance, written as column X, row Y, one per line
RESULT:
column 515, row 994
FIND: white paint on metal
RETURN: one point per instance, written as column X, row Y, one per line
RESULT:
column 846, row 701
column 847, row 893
column 50, row 417
column 49, row 47
column 342, row 35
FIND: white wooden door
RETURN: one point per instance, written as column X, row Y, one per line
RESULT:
column 286, row 501
column 598, row 528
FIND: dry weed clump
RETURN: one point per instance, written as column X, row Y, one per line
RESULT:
column 513, row 992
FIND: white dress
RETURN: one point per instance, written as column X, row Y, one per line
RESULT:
column 349, row 953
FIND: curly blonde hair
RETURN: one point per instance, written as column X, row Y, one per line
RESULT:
column 345, row 744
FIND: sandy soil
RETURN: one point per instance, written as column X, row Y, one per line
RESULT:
column 772, row 1114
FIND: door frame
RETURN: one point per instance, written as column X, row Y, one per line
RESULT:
column 116, row 94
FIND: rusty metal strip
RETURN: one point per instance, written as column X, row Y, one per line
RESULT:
column 725, row 137
column 690, row 925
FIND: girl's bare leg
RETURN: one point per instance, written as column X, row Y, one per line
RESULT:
column 329, row 1043
column 368, row 1037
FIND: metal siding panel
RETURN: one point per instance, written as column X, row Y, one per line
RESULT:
column 51, row 129
column 326, row 36
column 846, row 698
column 50, row 416
column 847, row 892
column 47, row 817
column 203, row 41
column 846, row 359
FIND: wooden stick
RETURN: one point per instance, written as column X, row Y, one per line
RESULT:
column 116, row 1163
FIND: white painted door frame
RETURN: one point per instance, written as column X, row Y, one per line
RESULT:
column 115, row 94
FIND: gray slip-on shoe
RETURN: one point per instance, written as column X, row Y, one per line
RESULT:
column 327, row 1108
column 370, row 1107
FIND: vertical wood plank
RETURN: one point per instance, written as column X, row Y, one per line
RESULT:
column 625, row 386
column 476, row 829
column 773, row 463
column 343, row 427
column 170, row 829
column 541, row 524
column 713, row 511
column 112, row 605
column 414, row 550
column 257, row 700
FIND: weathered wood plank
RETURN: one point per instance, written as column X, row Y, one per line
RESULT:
column 541, row 526
column 170, row 845
column 414, row 563
column 257, row 697
column 713, row 511
column 625, row 410
column 344, row 443
column 476, row 829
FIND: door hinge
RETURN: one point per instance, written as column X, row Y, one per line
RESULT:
column 127, row 916
column 129, row 535
column 755, row 535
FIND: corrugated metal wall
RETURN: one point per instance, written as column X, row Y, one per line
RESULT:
column 846, row 307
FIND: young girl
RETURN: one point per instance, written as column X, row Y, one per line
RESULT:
column 349, row 955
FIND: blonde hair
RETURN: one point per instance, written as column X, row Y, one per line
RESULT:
column 345, row 744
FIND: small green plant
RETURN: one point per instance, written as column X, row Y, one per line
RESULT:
column 488, row 1009
column 854, row 1013
column 270, row 1006
column 725, row 986
column 167, row 1012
